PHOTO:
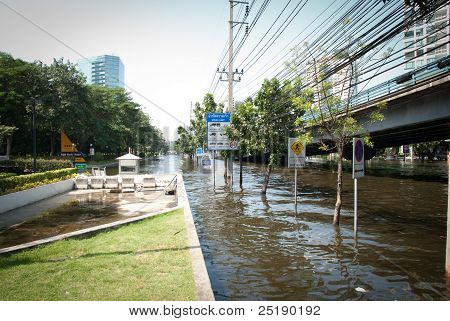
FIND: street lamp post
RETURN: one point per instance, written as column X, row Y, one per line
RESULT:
column 34, row 135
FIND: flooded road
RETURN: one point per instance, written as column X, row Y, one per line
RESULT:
column 260, row 248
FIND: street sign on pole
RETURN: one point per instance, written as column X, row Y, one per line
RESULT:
column 358, row 157
column 217, row 139
column 296, row 153
column 199, row 151
column 358, row 171
column 296, row 159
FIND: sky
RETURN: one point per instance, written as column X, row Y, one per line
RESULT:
column 170, row 48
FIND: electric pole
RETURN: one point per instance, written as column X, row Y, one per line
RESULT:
column 231, row 73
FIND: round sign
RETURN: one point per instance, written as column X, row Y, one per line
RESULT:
column 359, row 151
column 233, row 144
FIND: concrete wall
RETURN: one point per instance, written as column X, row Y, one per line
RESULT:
column 18, row 199
column 201, row 277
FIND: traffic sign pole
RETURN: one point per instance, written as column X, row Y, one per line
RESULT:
column 358, row 171
column 214, row 168
column 295, row 188
column 355, row 222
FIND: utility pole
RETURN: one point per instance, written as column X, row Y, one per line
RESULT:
column 231, row 73
column 34, row 135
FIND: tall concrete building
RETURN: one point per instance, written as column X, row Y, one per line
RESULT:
column 340, row 81
column 106, row 70
column 426, row 41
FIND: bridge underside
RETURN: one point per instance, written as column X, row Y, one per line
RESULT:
column 430, row 131
column 419, row 114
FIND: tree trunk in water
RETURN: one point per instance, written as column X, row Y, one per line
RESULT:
column 266, row 179
column 337, row 207
column 225, row 169
column 240, row 170
column 8, row 145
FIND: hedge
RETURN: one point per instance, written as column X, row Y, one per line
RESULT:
column 22, row 182
column 42, row 165
column 5, row 175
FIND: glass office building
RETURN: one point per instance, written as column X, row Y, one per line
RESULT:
column 106, row 70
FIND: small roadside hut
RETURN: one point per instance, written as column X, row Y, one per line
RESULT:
column 128, row 164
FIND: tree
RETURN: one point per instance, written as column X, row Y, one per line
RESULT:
column 89, row 114
column 16, row 79
column 275, row 121
column 7, row 132
column 243, row 129
column 185, row 143
column 329, row 117
column 65, row 103
column 195, row 135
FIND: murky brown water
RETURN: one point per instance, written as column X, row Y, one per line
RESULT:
column 260, row 248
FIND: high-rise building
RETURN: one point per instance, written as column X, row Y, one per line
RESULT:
column 103, row 70
column 427, row 40
column 340, row 80
column 166, row 134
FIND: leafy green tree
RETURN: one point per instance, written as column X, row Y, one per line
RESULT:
column 328, row 116
column 185, row 143
column 275, row 121
column 242, row 130
column 6, row 133
column 64, row 103
column 89, row 114
column 18, row 83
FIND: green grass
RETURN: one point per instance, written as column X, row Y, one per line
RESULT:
column 148, row 260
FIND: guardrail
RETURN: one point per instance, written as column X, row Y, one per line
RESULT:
column 402, row 82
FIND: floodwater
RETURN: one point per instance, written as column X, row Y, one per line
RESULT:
column 261, row 248
column 76, row 210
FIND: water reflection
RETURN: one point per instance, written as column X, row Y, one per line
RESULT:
column 260, row 247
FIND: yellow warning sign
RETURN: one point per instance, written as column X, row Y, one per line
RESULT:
column 79, row 160
column 297, row 147
column 66, row 144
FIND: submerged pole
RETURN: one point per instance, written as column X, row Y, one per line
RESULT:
column 295, row 186
column 214, row 168
column 355, row 222
column 447, row 258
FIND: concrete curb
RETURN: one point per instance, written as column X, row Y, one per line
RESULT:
column 12, row 201
column 201, row 277
column 86, row 231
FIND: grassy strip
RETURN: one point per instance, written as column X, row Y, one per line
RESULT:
column 23, row 182
column 148, row 260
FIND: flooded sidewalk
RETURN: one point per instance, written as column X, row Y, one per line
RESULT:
column 75, row 210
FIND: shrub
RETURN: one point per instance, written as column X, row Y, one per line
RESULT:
column 22, row 182
column 98, row 157
column 5, row 175
column 42, row 165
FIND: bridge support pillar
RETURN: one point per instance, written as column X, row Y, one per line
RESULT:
column 447, row 258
